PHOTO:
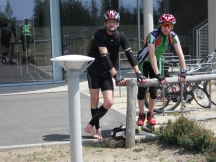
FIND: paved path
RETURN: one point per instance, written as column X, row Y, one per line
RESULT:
column 36, row 114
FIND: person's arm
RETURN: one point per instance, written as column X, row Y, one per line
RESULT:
column 153, row 60
column 106, row 59
column 134, row 65
column 180, row 54
column 14, row 31
column 103, row 50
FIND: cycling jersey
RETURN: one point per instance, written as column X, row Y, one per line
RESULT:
column 161, row 44
column 112, row 45
column 26, row 29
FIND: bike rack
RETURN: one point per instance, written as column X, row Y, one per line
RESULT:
column 208, row 69
column 172, row 60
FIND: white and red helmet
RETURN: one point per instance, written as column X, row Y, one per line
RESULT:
column 167, row 18
column 111, row 15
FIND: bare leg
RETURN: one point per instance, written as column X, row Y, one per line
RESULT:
column 94, row 93
column 90, row 129
column 98, row 132
column 108, row 101
column 141, row 106
column 151, row 104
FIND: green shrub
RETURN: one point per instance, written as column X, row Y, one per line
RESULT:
column 188, row 135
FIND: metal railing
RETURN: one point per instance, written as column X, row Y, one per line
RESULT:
column 202, row 41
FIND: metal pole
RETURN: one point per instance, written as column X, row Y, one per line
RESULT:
column 210, row 96
column 182, row 99
column 120, row 72
column 196, row 78
column 74, row 115
column 138, row 23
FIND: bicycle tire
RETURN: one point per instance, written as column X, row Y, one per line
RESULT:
column 201, row 97
column 171, row 102
column 213, row 90
column 174, row 97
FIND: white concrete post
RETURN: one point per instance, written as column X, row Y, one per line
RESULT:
column 74, row 115
column 148, row 17
column 74, row 65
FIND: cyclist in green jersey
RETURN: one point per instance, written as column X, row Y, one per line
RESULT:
column 156, row 44
column 26, row 37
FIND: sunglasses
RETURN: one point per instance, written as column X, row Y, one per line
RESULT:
column 170, row 26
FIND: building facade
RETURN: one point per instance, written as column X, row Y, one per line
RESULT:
column 61, row 27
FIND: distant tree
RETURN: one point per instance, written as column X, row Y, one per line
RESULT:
column 158, row 11
column 7, row 14
column 75, row 13
column 8, row 9
column 41, row 13
column 107, row 5
column 126, row 16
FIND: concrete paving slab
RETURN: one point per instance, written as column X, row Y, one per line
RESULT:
column 23, row 89
column 41, row 88
column 58, row 87
column 7, row 90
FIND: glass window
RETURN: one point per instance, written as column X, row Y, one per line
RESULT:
column 25, row 41
column 81, row 19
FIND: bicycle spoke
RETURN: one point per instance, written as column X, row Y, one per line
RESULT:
column 201, row 97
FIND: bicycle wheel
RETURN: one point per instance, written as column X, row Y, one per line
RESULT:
column 159, row 99
column 213, row 90
column 201, row 97
column 174, row 96
column 171, row 100
column 70, row 49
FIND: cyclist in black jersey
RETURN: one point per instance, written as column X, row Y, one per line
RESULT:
column 100, row 73
column 156, row 44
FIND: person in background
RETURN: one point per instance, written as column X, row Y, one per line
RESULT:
column 26, row 38
column 6, row 29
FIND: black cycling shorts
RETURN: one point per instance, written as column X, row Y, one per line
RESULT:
column 5, row 42
column 148, row 72
column 26, row 40
column 103, row 81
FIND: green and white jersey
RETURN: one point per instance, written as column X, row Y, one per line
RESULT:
column 161, row 44
column 26, row 30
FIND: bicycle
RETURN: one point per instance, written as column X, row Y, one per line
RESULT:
column 172, row 95
column 68, row 47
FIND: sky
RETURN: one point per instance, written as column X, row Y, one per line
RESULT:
column 20, row 11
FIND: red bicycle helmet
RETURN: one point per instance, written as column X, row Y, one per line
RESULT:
column 167, row 18
column 111, row 15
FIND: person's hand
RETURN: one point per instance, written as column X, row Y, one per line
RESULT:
column 119, row 79
column 182, row 77
column 161, row 79
column 141, row 78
